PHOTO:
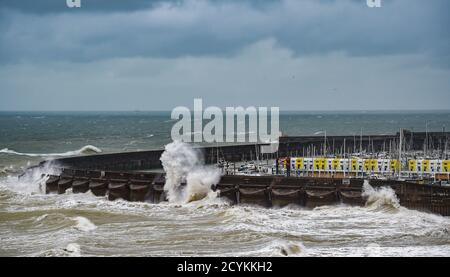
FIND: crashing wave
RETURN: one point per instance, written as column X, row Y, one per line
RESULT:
column 383, row 198
column 31, row 181
column 88, row 149
column 83, row 224
column 184, row 164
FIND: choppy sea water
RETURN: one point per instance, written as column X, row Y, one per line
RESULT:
column 35, row 224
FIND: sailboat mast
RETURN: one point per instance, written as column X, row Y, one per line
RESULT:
column 343, row 164
column 445, row 151
column 360, row 142
column 426, row 139
column 400, row 152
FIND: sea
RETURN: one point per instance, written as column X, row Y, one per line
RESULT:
column 35, row 224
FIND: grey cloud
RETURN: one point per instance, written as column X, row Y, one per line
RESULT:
column 58, row 6
column 154, row 55
column 262, row 74
column 89, row 6
column 221, row 28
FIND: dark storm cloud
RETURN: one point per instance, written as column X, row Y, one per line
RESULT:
column 42, row 30
column 55, row 6
column 155, row 55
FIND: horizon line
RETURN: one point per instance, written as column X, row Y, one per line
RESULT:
column 281, row 111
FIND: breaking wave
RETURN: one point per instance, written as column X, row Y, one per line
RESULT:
column 88, row 149
column 83, row 224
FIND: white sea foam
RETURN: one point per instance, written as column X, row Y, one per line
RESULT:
column 84, row 224
column 73, row 249
column 41, row 218
column 88, row 149
column 254, row 231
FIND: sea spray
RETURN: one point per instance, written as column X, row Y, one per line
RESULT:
column 184, row 164
column 178, row 160
column 32, row 180
column 199, row 183
column 380, row 197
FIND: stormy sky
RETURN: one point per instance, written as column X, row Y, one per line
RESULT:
column 155, row 55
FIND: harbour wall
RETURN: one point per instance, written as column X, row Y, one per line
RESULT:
column 288, row 146
column 267, row 191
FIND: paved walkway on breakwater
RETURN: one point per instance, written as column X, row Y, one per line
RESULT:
column 288, row 146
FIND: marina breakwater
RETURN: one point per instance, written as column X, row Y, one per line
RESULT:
column 288, row 146
column 126, row 176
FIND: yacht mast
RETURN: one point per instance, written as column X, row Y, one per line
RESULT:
column 400, row 153
column 360, row 142
column 426, row 140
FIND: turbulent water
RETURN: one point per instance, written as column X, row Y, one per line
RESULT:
column 35, row 224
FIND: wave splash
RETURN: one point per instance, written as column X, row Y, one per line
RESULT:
column 32, row 181
column 380, row 198
column 88, row 149
column 184, row 164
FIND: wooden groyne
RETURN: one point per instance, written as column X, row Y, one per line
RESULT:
column 267, row 191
